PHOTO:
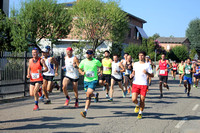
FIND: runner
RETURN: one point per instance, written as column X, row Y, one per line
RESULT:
column 34, row 72
column 147, row 60
column 106, row 77
column 140, row 72
column 163, row 74
column 180, row 71
column 196, row 75
column 71, row 75
column 188, row 69
column 49, row 75
column 174, row 69
column 90, row 66
column 123, row 61
column 116, row 76
column 128, row 71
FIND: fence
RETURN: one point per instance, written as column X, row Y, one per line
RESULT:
column 13, row 71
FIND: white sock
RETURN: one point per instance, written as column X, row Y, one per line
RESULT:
column 140, row 112
column 85, row 110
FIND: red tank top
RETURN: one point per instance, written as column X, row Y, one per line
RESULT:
column 163, row 67
column 35, row 67
column 175, row 67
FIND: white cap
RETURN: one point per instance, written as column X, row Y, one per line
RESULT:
column 44, row 50
column 147, row 56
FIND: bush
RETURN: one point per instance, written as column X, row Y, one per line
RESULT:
column 134, row 49
column 178, row 53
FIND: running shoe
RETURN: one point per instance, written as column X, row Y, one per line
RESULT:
column 96, row 98
column 103, row 88
column 41, row 98
column 67, row 102
column 107, row 96
column 85, row 89
column 161, row 95
column 194, row 85
column 84, row 113
column 130, row 95
column 129, row 90
column 180, row 85
column 76, row 105
column 124, row 93
column 139, row 116
column 137, row 108
column 185, row 90
column 188, row 94
column 174, row 78
column 110, row 100
column 36, row 108
column 47, row 102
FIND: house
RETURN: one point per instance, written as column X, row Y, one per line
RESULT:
column 169, row 42
column 4, row 5
column 134, row 36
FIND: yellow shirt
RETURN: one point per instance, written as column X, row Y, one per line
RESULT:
column 107, row 63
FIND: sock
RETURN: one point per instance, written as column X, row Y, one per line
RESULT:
column 140, row 112
column 36, row 102
column 67, row 97
column 85, row 110
column 138, row 104
column 76, row 100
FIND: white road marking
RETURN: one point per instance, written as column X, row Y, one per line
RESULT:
column 181, row 123
column 195, row 107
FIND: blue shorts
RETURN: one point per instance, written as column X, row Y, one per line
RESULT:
column 123, row 73
column 91, row 84
column 189, row 80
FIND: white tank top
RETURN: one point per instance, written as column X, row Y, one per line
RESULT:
column 115, row 66
column 50, row 67
column 71, row 72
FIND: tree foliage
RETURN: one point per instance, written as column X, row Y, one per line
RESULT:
column 193, row 34
column 39, row 19
column 96, row 21
column 178, row 53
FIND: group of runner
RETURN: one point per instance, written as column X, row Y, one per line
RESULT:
column 136, row 76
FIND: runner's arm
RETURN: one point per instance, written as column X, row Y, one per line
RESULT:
column 44, row 66
column 53, row 60
column 184, row 69
column 193, row 69
column 122, row 67
column 170, row 65
column 28, row 70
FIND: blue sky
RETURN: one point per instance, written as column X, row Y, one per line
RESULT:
column 165, row 17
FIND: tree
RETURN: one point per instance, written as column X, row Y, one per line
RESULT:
column 96, row 21
column 155, row 36
column 178, row 53
column 39, row 19
column 5, row 37
column 193, row 34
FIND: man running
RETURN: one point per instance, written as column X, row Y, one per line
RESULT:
column 116, row 76
column 140, row 72
column 106, row 77
column 147, row 60
column 123, row 61
column 128, row 71
column 174, row 69
column 89, row 68
column 196, row 75
column 188, row 69
column 71, row 75
column 163, row 73
column 49, row 75
column 180, row 71
column 34, row 72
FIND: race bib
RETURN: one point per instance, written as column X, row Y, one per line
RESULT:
column 106, row 69
column 35, row 75
column 90, row 74
column 162, row 71
column 187, row 71
column 174, row 68
column 70, row 70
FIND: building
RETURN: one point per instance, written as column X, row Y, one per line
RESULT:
column 169, row 42
column 134, row 36
column 4, row 5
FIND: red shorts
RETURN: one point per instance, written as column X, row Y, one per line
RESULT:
column 140, row 89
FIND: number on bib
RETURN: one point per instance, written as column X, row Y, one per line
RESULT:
column 105, row 68
column 90, row 74
column 70, row 70
column 187, row 71
column 35, row 75
column 162, row 71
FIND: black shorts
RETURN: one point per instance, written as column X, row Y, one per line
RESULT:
column 163, row 78
column 197, row 76
column 48, row 78
column 72, row 80
column 128, row 76
column 174, row 71
column 33, row 83
column 118, row 80
column 106, row 77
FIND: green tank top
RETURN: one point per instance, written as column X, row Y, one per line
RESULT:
column 181, row 69
column 187, row 73
column 106, row 66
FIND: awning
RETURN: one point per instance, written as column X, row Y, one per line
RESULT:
column 142, row 32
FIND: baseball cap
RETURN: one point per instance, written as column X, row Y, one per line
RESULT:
column 44, row 50
column 48, row 47
column 147, row 56
column 89, row 52
column 69, row 48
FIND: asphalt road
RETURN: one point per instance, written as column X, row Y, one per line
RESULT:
column 174, row 113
